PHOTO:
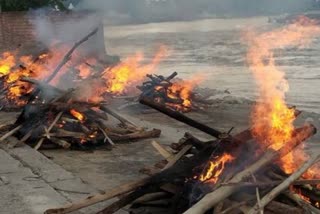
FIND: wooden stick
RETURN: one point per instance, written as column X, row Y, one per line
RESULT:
column 308, row 208
column 181, row 117
column 150, row 197
column 257, row 194
column 161, row 150
column 10, row 133
column 64, row 144
column 106, row 137
column 117, row 116
column 48, row 130
column 211, row 199
column 67, row 57
column 177, row 157
column 277, row 207
column 233, row 207
column 272, row 183
column 91, row 200
column 136, row 135
column 284, row 185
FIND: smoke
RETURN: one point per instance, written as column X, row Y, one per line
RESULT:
column 166, row 10
column 66, row 28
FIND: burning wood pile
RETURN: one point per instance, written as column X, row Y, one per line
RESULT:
column 265, row 168
column 177, row 94
column 73, row 116
column 220, row 176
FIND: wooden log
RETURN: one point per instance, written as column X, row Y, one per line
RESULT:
column 117, row 116
column 10, row 133
column 175, row 158
column 137, row 135
column 166, row 154
column 277, row 207
column 221, row 193
column 308, row 208
column 91, row 200
column 38, row 145
column 150, row 197
column 67, row 57
column 64, row 144
column 180, row 117
column 285, row 184
column 272, row 183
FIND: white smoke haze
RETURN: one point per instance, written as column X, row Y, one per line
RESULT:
column 66, row 30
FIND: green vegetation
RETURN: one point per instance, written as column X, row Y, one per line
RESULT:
column 23, row 5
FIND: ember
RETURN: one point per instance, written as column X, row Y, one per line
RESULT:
column 77, row 115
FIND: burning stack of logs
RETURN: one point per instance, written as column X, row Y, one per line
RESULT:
column 54, row 117
column 218, row 176
column 66, row 122
column 174, row 93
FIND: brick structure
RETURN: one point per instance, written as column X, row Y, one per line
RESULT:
column 20, row 28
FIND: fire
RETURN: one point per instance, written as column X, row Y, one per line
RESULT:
column 272, row 120
column 77, row 115
column 183, row 90
column 125, row 76
column 7, row 62
column 215, row 168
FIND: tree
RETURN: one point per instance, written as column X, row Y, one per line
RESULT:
column 24, row 5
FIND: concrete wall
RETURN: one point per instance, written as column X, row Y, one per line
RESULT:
column 22, row 29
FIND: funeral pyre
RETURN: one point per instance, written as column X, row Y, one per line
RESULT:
column 64, row 100
column 177, row 94
column 263, row 169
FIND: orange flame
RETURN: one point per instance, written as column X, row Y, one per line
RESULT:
column 272, row 120
column 183, row 89
column 131, row 72
column 215, row 168
column 7, row 62
column 77, row 115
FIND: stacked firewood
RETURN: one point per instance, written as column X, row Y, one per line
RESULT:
column 52, row 117
column 62, row 120
column 246, row 184
column 159, row 89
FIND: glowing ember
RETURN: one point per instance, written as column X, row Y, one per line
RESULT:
column 215, row 168
column 131, row 72
column 77, row 115
column 272, row 120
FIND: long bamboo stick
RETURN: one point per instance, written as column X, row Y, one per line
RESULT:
column 284, row 185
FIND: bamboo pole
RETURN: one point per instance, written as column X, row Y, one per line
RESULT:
column 284, row 185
